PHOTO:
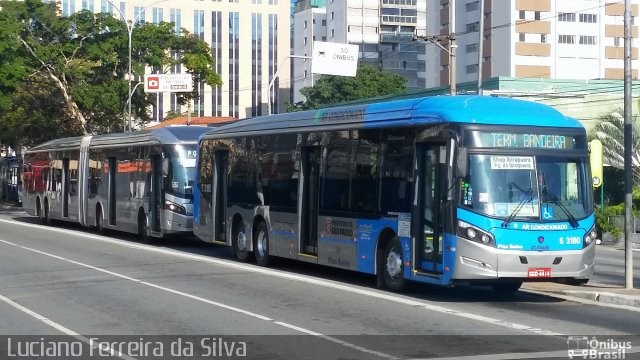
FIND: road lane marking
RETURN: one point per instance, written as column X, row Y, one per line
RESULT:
column 354, row 289
column 206, row 301
column 62, row 328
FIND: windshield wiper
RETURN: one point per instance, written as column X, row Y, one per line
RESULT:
column 515, row 211
column 554, row 199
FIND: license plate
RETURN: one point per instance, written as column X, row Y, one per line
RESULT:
column 539, row 273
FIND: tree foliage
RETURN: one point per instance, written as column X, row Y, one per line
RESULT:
column 80, row 62
column 609, row 129
column 369, row 82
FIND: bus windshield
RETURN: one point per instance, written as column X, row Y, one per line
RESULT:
column 541, row 188
column 182, row 171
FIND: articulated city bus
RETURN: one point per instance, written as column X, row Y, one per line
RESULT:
column 10, row 183
column 139, row 182
column 438, row 190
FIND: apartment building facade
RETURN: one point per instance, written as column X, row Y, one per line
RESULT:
column 556, row 39
column 383, row 29
column 248, row 39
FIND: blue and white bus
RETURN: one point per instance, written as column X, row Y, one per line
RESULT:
column 437, row 190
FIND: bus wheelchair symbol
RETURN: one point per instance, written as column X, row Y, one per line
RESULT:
column 547, row 213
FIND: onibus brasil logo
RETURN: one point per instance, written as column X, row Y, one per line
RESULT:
column 583, row 347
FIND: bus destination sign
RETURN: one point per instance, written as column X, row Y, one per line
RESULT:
column 496, row 139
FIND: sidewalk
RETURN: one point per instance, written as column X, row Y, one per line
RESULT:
column 603, row 293
column 10, row 205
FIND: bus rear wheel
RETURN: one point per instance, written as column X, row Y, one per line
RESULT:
column 261, row 246
column 239, row 242
column 392, row 266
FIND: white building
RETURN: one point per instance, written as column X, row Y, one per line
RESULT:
column 557, row 39
column 382, row 28
column 248, row 39
column 309, row 25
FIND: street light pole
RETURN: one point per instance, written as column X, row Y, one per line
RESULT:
column 275, row 76
column 130, row 27
column 628, row 149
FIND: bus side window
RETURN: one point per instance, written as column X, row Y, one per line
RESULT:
column 398, row 148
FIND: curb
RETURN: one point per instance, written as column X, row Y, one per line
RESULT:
column 605, row 297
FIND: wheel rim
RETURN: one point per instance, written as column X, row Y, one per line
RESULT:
column 241, row 241
column 394, row 263
column 262, row 244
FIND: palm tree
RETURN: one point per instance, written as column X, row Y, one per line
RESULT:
column 609, row 129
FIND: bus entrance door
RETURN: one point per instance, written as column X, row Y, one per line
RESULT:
column 221, row 160
column 155, row 195
column 308, row 201
column 429, row 212
column 65, row 188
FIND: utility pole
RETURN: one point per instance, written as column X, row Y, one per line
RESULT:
column 628, row 133
column 452, row 46
column 480, row 46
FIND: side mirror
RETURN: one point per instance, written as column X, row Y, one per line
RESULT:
column 462, row 163
column 165, row 167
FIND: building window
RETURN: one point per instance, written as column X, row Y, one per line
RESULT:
column 566, row 39
column 333, row 15
column 522, row 15
column 472, row 69
column 324, row 22
column 588, row 18
column 473, row 27
column 587, row 40
column 305, row 24
column 324, row 38
column 536, row 15
column 568, row 17
column 521, row 39
column 333, row 33
column 616, row 41
column 474, row 5
column 471, row 48
column 256, row 64
column 305, row 40
column 543, row 38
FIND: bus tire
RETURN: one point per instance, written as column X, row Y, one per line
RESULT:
column 45, row 217
column 261, row 244
column 392, row 266
column 507, row 287
column 143, row 228
column 576, row 282
column 239, row 242
column 99, row 221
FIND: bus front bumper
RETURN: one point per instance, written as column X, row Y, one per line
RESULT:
column 176, row 223
column 476, row 261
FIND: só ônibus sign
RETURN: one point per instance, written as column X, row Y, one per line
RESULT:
column 334, row 58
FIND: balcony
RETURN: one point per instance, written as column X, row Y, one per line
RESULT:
column 398, row 20
column 395, row 37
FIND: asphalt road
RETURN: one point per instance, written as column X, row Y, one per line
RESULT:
column 70, row 281
column 610, row 266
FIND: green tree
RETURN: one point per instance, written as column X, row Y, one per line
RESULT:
column 369, row 82
column 85, row 58
column 609, row 129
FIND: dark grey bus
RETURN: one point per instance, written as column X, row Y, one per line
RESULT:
column 139, row 182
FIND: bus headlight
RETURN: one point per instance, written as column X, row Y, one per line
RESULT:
column 590, row 237
column 173, row 207
column 473, row 233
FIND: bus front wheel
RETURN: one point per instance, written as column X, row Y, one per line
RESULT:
column 99, row 221
column 392, row 266
column 261, row 246
column 506, row 287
